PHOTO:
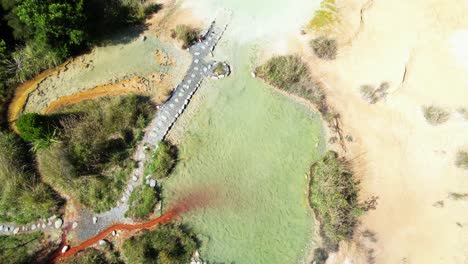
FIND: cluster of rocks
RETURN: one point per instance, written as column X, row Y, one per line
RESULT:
column 42, row 224
column 217, row 70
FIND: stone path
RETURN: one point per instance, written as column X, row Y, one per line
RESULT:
column 89, row 224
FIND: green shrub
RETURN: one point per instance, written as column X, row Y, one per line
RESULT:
column 167, row 244
column 141, row 202
column 23, row 197
column 436, row 115
column 283, row 71
column 186, row 34
column 33, row 127
column 334, row 198
column 320, row 256
column 462, row 160
column 20, row 249
column 162, row 161
column 324, row 48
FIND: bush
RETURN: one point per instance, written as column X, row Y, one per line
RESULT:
column 462, row 160
column 283, row 71
column 167, row 244
column 324, row 48
column 320, row 256
column 436, row 115
column 162, row 161
column 186, row 34
column 334, row 198
column 23, row 198
column 34, row 127
column 141, row 202
column 20, row 249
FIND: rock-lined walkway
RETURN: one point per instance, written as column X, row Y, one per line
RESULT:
column 89, row 224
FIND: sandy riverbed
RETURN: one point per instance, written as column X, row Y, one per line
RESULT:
column 402, row 159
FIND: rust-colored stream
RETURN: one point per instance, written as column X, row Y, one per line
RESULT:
column 190, row 202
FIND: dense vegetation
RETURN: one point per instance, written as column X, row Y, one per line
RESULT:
column 186, row 34
column 23, row 197
column 89, row 159
column 334, row 197
column 36, row 35
column 94, row 256
column 167, row 244
column 162, row 161
column 20, row 249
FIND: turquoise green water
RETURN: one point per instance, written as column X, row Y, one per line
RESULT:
column 254, row 146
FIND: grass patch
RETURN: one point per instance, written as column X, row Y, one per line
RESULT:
column 372, row 95
column 186, row 34
column 462, row 160
column 90, row 161
column 334, row 197
column 141, row 202
column 435, row 115
column 324, row 17
column 167, row 244
column 23, row 197
column 162, row 161
column 19, row 249
column 324, row 48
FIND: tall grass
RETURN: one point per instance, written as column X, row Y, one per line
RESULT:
column 334, row 197
column 91, row 160
column 23, row 197
column 20, row 249
column 436, row 115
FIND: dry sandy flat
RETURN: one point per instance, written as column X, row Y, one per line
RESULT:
column 402, row 159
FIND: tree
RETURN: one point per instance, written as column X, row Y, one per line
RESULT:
column 58, row 23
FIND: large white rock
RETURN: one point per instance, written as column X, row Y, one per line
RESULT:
column 114, row 232
column 33, row 227
column 94, row 219
column 152, row 183
column 16, row 230
column 58, row 223
column 102, row 242
column 1, row 227
column 64, row 249
column 75, row 225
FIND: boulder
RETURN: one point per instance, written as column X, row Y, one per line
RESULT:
column 1, row 227
column 114, row 232
column 64, row 249
column 102, row 242
column 33, row 227
column 152, row 183
column 44, row 225
column 135, row 178
column 95, row 219
column 58, row 223
column 75, row 225
column 16, row 230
